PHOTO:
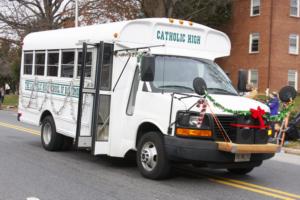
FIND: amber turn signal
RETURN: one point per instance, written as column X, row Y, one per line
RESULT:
column 193, row 132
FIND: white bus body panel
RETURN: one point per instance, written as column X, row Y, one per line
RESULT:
column 149, row 107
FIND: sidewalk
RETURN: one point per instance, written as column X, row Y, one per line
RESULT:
column 9, row 108
column 292, row 151
column 287, row 158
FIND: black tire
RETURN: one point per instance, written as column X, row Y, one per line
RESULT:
column 68, row 143
column 162, row 168
column 51, row 140
column 240, row 171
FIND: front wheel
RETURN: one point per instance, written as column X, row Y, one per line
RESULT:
column 151, row 157
column 240, row 171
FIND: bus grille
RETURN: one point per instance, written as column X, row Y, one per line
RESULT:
column 225, row 120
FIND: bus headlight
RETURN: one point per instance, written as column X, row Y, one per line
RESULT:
column 193, row 120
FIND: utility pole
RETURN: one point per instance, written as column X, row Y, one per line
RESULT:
column 76, row 13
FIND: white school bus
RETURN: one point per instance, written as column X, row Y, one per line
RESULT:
column 142, row 86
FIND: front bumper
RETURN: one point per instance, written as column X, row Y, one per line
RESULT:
column 208, row 152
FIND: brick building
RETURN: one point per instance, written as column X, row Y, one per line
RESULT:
column 265, row 41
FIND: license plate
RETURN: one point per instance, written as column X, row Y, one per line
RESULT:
column 242, row 157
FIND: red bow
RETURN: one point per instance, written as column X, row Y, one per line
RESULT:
column 258, row 114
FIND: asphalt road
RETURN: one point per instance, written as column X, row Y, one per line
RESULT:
column 27, row 171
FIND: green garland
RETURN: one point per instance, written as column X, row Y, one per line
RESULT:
column 283, row 113
column 218, row 105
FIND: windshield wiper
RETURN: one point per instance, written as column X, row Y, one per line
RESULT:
column 176, row 87
column 221, row 91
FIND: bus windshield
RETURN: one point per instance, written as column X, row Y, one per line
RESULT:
column 176, row 74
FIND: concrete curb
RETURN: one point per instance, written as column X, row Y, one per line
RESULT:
column 291, row 151
column 10, row 108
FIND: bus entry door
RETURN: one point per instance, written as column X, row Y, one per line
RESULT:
column 101, row 79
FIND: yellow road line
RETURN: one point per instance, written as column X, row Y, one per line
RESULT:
column 250, row 189
column 252, row 185
column 260, row 187
column 246, row 186
column 20, row 128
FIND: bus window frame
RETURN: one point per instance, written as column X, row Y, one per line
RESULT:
column 23, row 63
column 45, row 62
column 92, row 50
column 61, row 62
column 111, row 64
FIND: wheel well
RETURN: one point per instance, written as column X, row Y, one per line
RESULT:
column 45, row 114
column 145, row 128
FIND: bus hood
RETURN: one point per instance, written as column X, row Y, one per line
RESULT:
column 236, row 103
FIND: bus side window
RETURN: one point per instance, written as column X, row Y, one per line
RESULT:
column 88, row 67
column 106, row 72
column 28, row 63
column 52, row 67
column 67, row 64
column 40, row 63
column 133, row 91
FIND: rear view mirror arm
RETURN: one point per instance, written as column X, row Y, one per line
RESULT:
column 139, row 48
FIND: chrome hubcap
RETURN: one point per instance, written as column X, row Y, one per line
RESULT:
column 149, row 156
column 47, row 131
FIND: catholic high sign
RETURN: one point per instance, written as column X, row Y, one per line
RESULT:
column 178, row 37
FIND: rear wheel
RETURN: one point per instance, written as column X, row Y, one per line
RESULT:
column 151, row 157
column 51, row 140
column 240, row 171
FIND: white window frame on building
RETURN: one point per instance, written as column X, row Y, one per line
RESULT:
column 255, row 7
column 294, row 8
column 252, row 40
column 293, row 78
column 294, row 44
column 252, row 73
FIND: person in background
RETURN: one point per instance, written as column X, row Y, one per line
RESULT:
column 1, row 97
column 2, row 91
column 274, row 104
column 252, row 94
column 7, row 88
column 274, row 107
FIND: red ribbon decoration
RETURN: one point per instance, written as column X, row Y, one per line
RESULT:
column 202, row 104
column 258, row 114
column 249, row 126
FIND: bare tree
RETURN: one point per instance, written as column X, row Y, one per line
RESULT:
column 209, row 12
column 158, row 8
column 9, row 64
column 19, row 17
column 99, row 11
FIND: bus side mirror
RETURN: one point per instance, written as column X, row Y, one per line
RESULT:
column 199, row 86
column 242, row 81
column 148, row 68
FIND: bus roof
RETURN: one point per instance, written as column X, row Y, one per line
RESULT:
column 176, row 37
